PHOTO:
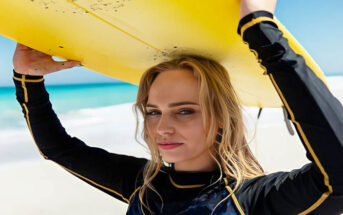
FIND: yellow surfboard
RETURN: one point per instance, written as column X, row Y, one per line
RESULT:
column 122, row 38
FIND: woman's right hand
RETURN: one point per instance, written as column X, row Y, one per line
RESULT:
column 28, row 61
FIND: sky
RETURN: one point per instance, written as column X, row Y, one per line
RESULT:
column 316, row 24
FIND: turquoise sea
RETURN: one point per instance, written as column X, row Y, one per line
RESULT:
column 65, row 98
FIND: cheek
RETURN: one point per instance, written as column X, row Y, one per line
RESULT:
column 194, row 129
column 195, row 135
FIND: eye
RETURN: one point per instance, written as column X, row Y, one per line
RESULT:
column 186, row 111
column 152, row 113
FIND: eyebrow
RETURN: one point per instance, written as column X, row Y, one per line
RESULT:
column 175, row 104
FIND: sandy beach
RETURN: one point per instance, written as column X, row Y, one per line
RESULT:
column 34, row 186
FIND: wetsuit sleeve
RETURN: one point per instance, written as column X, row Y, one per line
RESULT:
column 317, row 115
column 112, row 173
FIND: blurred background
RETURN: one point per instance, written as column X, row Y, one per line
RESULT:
column 97, row 109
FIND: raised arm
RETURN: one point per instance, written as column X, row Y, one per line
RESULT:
column 112, row 173
column 317, row 116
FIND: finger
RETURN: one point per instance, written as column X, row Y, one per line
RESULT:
column 69, row 64
column 63, row 65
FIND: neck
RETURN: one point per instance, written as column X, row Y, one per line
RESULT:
column 195, row 167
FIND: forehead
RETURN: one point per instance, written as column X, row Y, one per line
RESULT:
column 174, row 86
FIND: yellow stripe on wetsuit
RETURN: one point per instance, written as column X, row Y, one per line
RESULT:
column 302, row 133
column 184, row 186
column 238, row 206
column 23, row 81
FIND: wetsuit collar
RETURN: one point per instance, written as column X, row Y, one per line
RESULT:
column 191, row 179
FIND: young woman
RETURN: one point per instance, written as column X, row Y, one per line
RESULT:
column 193, row 121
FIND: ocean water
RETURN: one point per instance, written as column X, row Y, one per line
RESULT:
column 87, row 110
column 66, row 98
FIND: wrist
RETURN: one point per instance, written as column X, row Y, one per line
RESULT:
column 249, row 17
column 29, row 89
column 34, row 78
column 251, row 6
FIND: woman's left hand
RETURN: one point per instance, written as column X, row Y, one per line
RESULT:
column 249, row 6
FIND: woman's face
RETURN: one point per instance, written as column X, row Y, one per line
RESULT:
column 174, row 121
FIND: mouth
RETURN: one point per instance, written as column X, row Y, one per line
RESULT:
column 168, row 145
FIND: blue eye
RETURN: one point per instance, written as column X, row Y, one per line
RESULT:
column 186, row 112
column 181, row 112
column 152, row 113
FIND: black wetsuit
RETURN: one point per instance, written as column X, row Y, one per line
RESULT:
column 316, row 188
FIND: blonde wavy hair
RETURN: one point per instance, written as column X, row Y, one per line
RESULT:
column 221, row 111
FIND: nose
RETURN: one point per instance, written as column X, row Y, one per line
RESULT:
column 164, row 126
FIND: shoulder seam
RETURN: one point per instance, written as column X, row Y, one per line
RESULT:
column 233, row 196
column 138, row 188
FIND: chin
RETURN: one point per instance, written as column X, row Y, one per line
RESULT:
column 170, row 159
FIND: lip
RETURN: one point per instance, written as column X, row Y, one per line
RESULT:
column 169, row 145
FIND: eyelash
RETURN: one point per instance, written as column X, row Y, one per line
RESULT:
column 153, row 113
